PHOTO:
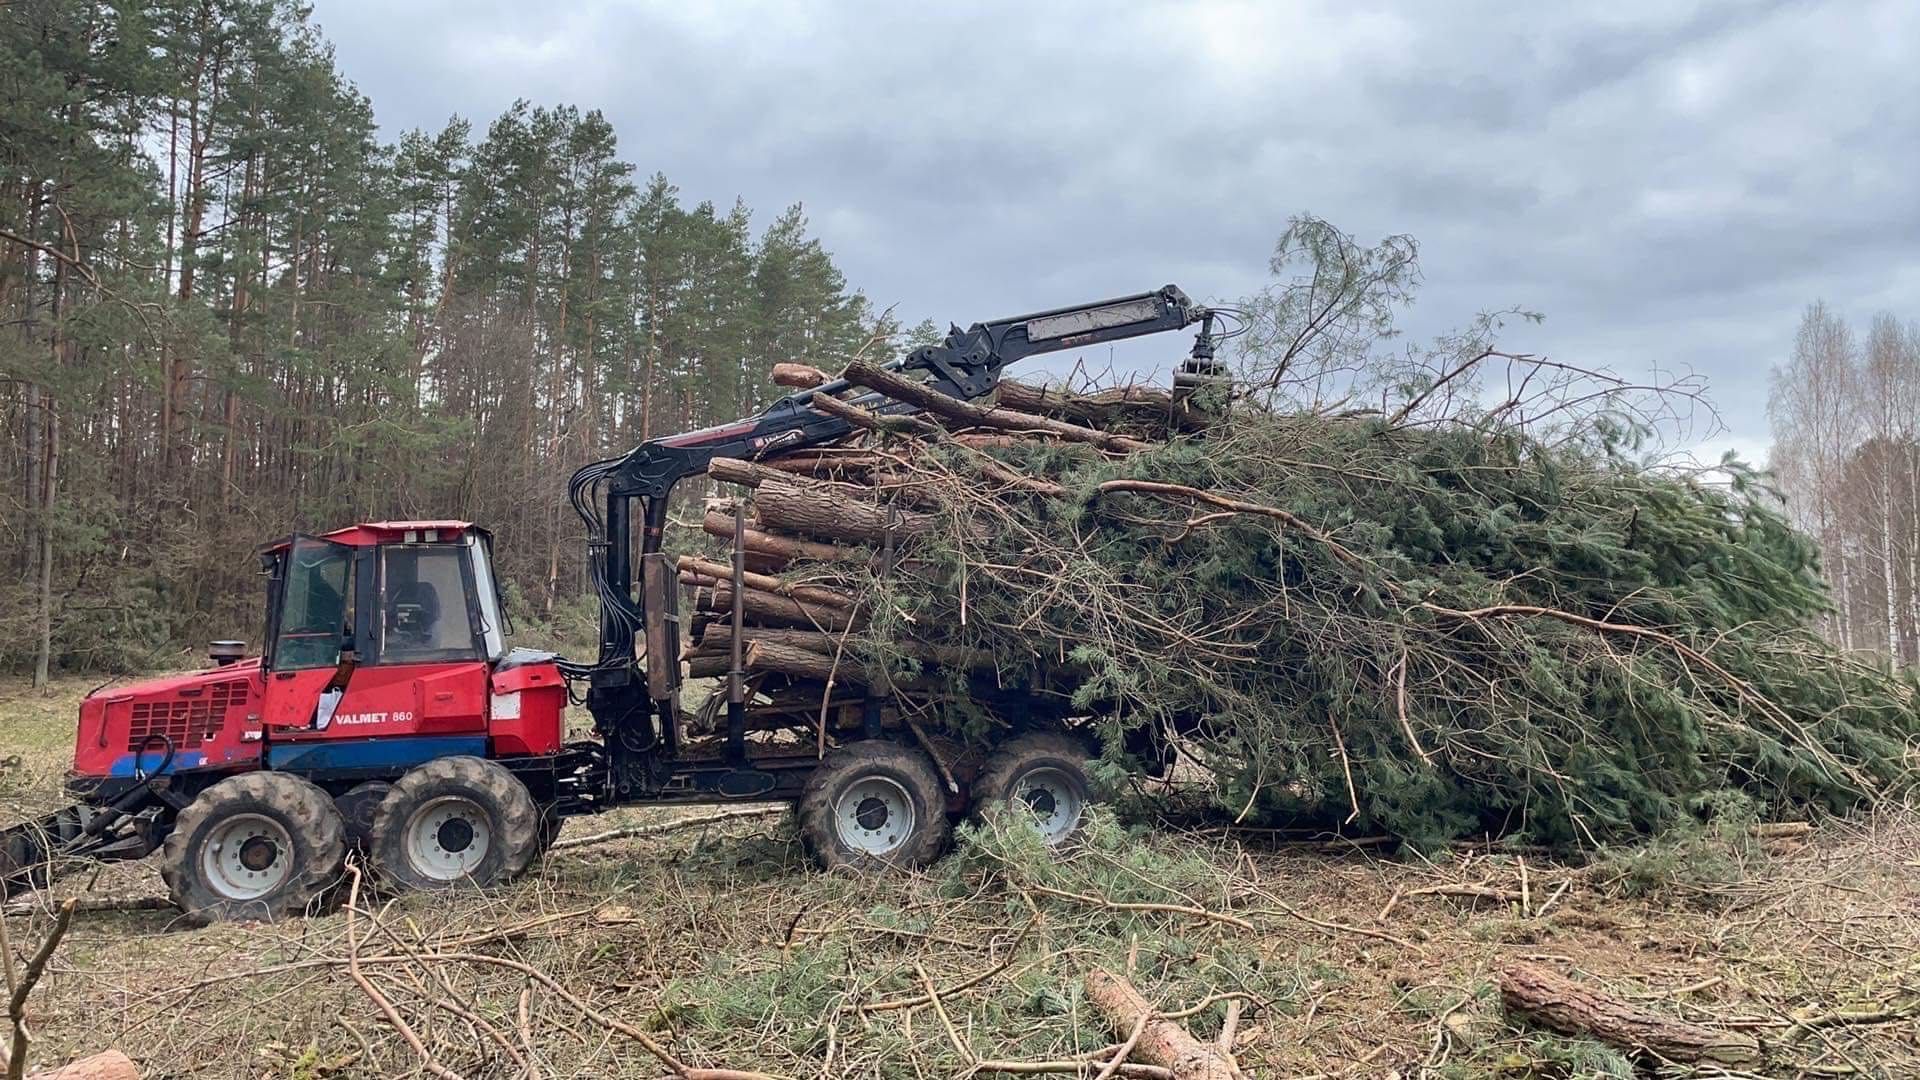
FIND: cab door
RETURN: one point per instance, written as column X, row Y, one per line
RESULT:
column 421, row 666
column 311, row 630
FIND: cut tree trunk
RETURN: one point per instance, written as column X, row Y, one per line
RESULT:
column 765, row 608
column 1552, row 1000
column 804, row 663
column 720, row 523
column 829, row 515
column 718, row 640
column 1162, row 1042
column 871, row 421
column 827, row 465
column 812, row 594
column 1146, row 404
column 901, row 388
column 798, row 376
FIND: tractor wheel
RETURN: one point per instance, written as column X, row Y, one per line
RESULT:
column 357, row 805
column 874, row 804
column 262, row 845
column 1044, row 774
column 455, row 821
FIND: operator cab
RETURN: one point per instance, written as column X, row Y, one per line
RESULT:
column 391, row 592
column 390, row 631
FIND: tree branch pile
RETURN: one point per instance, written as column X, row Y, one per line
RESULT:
column 1433, row 621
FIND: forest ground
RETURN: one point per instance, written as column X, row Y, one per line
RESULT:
column 723, row 944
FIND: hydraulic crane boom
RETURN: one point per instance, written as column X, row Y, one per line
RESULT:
column 967, row 364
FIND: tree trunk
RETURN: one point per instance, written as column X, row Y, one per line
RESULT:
column 1162, row 1042
column 717, row 640
column 720, row 524
column 1555, row 1001
column 804, row 663
column 764, row 608
column 812, row 594
column 798, row 376
column 820, row 510
column 43, row 619
column 1098, row 409
column 901, row 388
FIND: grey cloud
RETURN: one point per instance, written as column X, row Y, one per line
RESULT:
column 1665, row 181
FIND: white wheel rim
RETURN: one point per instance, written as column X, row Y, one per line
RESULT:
column 448, row 837
column 1054, row 800
column 247, row 856
column 874, row 816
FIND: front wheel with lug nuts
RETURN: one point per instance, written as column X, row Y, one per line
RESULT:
column 1042, row 776
column 872, row 805
column 262, row 845
column 452, row 822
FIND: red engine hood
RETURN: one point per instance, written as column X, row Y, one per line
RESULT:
column 172, row 684
column 202, row 715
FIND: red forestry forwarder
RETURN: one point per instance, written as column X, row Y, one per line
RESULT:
column 387, row 715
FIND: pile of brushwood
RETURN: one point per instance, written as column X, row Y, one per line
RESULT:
column 1418, row 623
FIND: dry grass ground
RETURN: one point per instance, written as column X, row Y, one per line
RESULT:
column 723, row 946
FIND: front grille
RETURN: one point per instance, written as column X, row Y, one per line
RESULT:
column 188, row 722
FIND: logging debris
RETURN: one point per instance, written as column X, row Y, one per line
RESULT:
column 1423, row 625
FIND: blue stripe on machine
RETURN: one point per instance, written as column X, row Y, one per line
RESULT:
column 123, row 765
column 383, row 753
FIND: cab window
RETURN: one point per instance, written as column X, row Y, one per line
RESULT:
column 316, row 606
column 425, row 612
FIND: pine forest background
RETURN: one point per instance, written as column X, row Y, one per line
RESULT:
column 228, row 309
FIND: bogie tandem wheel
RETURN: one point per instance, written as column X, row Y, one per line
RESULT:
column 874, row 804
column 1042, row 774
column 452, row 822
column 262, row 845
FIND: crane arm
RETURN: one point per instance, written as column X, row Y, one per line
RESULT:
column 966, row 364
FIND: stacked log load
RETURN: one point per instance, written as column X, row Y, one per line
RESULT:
column 1427, row 623
column 824, row 529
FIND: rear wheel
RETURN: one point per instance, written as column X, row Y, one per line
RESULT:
column 1042, row 775
column 874, row 804
column 455, row 821
column 263, row 845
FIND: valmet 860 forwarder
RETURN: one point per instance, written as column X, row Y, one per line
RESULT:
column 386, row 713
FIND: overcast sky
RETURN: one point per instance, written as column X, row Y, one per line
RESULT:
column 1669, row 182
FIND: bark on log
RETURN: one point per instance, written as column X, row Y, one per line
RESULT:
column 811, row 594
column 792, row 549
column 111, row 1065
column 741, row 471
column 1148, row 404
column 804, row 663
column 718, row 639
column 901, row 388
column 1162, row 1042
column 808, row 510
column 798, row 376
column 755, row 474
column 829, row 466
column 872, row 421
column 1552, row 1000
column 765, row 608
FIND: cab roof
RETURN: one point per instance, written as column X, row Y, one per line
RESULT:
column 372, row 533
